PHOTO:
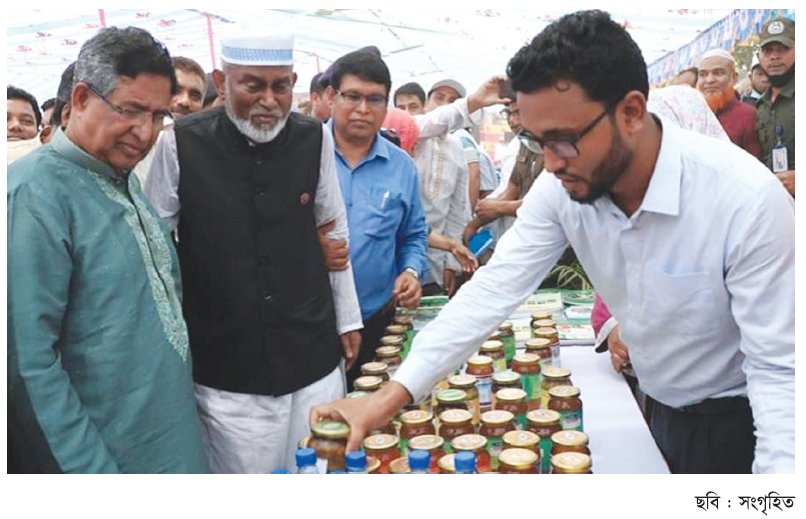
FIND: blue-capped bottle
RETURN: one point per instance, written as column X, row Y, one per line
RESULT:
column 780, row 153
column 465, row 462
column 419, row 461
column 357, row 462
column 306, row 461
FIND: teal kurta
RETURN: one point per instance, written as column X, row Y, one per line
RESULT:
column 99, row 370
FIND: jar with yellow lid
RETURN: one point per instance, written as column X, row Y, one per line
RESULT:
column 528, row 366
column 552, row 377
column 495, row 350
column 439, row 387
column 383, row 447
column 329, row 439
column 399, row 466
column 571, row 463
column 544, row 423
column 522, row 440
column 413, row 424
column 481, row 367
column 373, row 465
column 494, row 424
column 542, row 348
column 376, row 369
column 518, row 461
column 389, row 355
column 550, row 333
column 541, row 315
column 514, row 401
column 505, row 379
column 506, row 335
column 446, row 465
column 451, row 399
column 432, row 443
column 367, row 383
column 398, row 330
column 467, row 383
column 565, row 400
column 569, row 441
column 476, row 444
column 453, row 423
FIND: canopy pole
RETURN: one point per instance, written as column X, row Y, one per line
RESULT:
column 102, row 17
column 210, row 38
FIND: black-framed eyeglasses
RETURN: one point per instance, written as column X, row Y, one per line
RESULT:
column 354, row 99
column 565, row 148
column 134, row 115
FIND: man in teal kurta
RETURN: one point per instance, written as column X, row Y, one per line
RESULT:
column 99, row 370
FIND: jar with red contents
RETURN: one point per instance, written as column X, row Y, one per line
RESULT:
column 476, row 444
column 522, row 440
column 495, row 350
column 550, row 333
column 467, row 383
column 542, row 348
column 528, row 366
column 453, row 423
column 514, row 401
column 494, row 424
column 329, row 439
column 481, row 367
column 451, row 399
column 518, row 461
column 432, row 443
column 565, row 400
column 383, row 447
column 569, row 441
column 505, row 379
column 413, row 424
column 571, row 463
column 544, row 423
column 552, row 377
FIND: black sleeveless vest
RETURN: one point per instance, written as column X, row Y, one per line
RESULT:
column 256, row 293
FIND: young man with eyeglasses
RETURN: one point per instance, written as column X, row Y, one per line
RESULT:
column 687, row 239
column 99, row 371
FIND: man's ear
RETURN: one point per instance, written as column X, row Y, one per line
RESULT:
column 330, row 96
column 80, row 97
column 631, row 112
column 218, row 81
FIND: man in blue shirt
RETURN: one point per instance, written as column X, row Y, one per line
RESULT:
column 379, row 185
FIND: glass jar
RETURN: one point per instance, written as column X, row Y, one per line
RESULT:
column 412, row 424
column 432, row 443
column 550, row 333
column 451, row 399
column 367, row 384
column 552, row 377
column 505, row 379
column 481, row 367
column 494, row 424
column 541, row 315
column 399, row 466
column 565, row 400
column 389, row 355
column 376, row 369
column 541, row 348
column 571, row 463
column 467, row 383
column 506, row 335
column 514, row 401
column 383, row 447
column 397, row 330
column 528, row 366
column 495, row 350
column 329, row 439
column 477, row 444
column 522, row 440
column 544, row 423
column 373, row 465
column 446, row 465
column 518, row 461
column 453, row 423
column 569, row 441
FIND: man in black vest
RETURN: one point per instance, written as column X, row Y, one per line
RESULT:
column 264, row 316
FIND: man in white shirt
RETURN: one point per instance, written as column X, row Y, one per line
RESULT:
column 686, row 238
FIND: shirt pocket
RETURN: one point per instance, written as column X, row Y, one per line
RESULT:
column 682, row 303
column 384, row 213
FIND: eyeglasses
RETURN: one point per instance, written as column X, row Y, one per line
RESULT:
column 354, row 99
column 566, row 149
column 135, row 115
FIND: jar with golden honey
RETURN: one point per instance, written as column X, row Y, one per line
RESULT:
column 494, row 424
column 569, row 441
column 477, row 444
column 550, row 333
column 446, row 464
column 528, row 366
column 383, row 447
column 544, row 423
column 542, row 348
column 571, row 463
column 389, row 355
column 453, row 423
column 514, row 401
column 553, row 376
column 451, row 399
column 505, row 379
column 495, row 350
column 367, row 384
column 522, row 440
column 506, row 335
column 467, row 383
column 518, row 461
column 481, row 367
column 376, row 369
column 565, row 400
column 432, row 443
column 412, row 424
column 329, row 439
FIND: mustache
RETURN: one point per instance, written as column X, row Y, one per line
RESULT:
column 275, row 112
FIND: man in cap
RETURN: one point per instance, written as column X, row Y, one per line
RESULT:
column 759, row 82
column 99, row 372
column 246, row 185
column 716, row 80
column 776, row 108
column 707, row 309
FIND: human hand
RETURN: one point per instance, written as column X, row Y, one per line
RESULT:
column 471, row 229
column 619, row 354
column 337, row 254
column 465, row 258
column 488, row 210
column 351, row 342
column 407, row 290
column 449, row 281
column 787, row 178
column 488, row 94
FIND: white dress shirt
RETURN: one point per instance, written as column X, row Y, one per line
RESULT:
column 701, row 278
column 162, row 190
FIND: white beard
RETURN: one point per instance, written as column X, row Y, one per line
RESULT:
column 255, row 134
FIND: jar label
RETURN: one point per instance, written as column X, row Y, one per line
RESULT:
column 494, row 448
column 531, row 384
column 545, row 455
column 500, row 364
column 509, row 348
column 571, row 420
column 485, row 387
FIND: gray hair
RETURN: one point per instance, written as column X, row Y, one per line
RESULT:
column 126, row 52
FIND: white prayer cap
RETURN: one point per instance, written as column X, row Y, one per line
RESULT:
column 258, row 50
column 718, row 53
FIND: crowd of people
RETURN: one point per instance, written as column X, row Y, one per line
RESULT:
column 199, row 314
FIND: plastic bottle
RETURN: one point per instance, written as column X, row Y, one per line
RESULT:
column 419, row 461
column 357, row 462
column 306, row 461
column 465, row 462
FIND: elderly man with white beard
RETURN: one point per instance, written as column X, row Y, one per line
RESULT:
column 268, row 325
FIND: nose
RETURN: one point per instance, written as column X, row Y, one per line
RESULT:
column 145, row 129
column 182, row 99
column 267, row 99
column 551, row 161
column 13, row 124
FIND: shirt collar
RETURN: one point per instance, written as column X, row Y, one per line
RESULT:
column 379, row 148
column 72, row 152
column 663, row 194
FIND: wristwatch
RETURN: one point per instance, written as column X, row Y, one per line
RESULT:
column 412, row 272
